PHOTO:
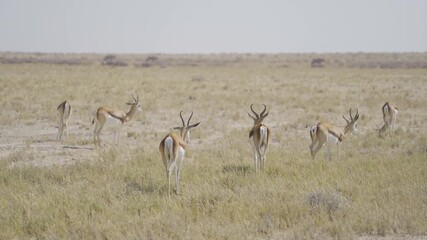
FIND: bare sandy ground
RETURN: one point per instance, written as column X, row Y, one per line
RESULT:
column 38, row 146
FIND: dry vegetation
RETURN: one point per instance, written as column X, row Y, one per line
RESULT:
column 71, row 190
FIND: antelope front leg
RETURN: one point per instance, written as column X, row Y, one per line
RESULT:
column 98, row 132
column 117, row 137
column 338, row 150
column 118, row 134
column 328, row 152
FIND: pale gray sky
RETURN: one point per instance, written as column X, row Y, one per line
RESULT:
column 217, row 26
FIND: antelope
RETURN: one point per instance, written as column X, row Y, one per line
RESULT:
column 64, row 113
column 390, row 112
column 172, row 149
column 325, row 133
column 114, row 117
column 259, row 136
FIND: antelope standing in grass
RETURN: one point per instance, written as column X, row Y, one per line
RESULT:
column 325, row 133
column 172, row 149
column 64, row 113
column 260, row 136
column 114, row 117
column 389, row 115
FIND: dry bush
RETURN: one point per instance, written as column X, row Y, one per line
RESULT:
column 112, row 60
column 60, row 59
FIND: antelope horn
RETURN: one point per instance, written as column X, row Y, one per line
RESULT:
column 351, row 117
column 345, row 119
column 354, row 118
column 188, row 122
column 134, row 98
column 357, row 115
column 256, row 114
column 263, row 111
column 182, row 119
column 252, row 117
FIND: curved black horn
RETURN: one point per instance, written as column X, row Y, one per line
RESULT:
column 188, row 122
column 182, row 119
column 251, row 117
column 256, row 114
column 345, row 119
column 356, row 116
column 134, row 98
column 263, row 111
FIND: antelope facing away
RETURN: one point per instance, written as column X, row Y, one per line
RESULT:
column 389, row 115
column 325, row 133
column 114, row 117
column 172, row 149
column 260, row 136
column 64, row 113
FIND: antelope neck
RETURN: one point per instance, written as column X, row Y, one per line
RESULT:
column 131, row 113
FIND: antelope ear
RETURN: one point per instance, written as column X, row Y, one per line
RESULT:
column 345, row 119
column 266, row 115
column 251, row 132
column 194, row 125
column 356, row 117
column 251, row 117
column 178, row 128
column 129, row 103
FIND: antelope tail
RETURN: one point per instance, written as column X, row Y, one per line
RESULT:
column 168, row 148
column 263, row 133
column 385, row 110
column 313, row 132
column 94, row 116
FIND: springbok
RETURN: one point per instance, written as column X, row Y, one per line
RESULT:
column 114, row 117
column 389, row 115
column 260, row 136
column 64, row 113
column 325, row 133
column 172, row 149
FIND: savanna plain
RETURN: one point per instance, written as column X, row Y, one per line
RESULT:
column 375, row 189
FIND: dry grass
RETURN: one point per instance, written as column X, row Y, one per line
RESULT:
column 71, row 190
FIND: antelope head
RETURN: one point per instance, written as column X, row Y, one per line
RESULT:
column 185, row 129
column 258, row 118
column 135, row 103
column 351, row 124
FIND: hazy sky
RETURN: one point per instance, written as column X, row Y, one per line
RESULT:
column 215, row 26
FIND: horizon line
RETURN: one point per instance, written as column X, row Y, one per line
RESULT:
column 210, row 53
